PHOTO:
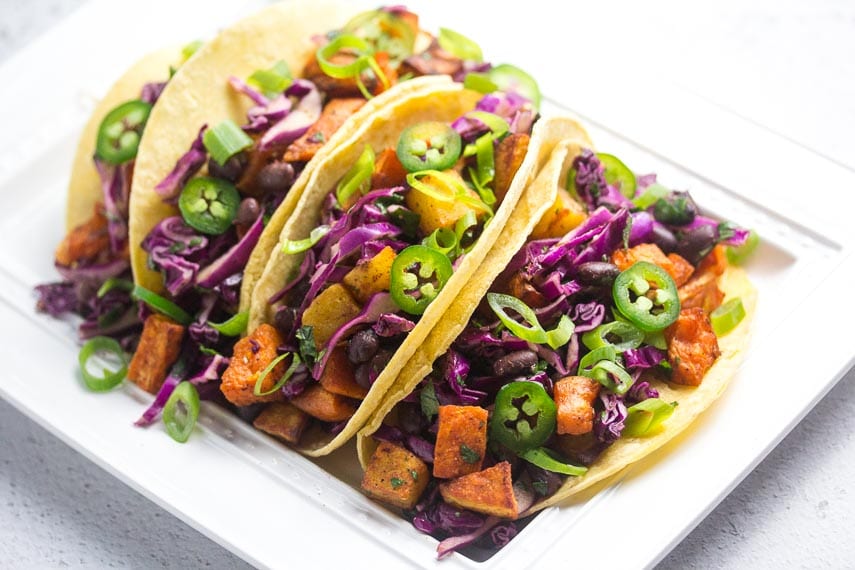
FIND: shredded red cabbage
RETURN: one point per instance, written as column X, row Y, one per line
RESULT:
column 188, row 165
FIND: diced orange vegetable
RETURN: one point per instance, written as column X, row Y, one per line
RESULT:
column 701, row 291
column 158, row 349
column 86, row 241
column 328, row 312
column 395, row 476
column 248, row 183
column 371, row 276
column 283, row 421
column 324, row 405
column 574, row 398
column 460, row 442
column 692, row 347
column 509, row 157
column 339, row 376
column 489, row 491
column 526, row 292
column 564, row 215
column 251, row 355
column 335, row 113
column 388, row 170
column 435, row 213
column 715, row 261
column 678, row 268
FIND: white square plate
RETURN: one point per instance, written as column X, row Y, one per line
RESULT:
column 271, row 505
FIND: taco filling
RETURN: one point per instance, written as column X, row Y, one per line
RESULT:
column 392, row 232
column 588, row 338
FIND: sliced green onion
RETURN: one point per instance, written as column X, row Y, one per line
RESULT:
column 161, row 305
column 586, row 364
column 364, row 60
column 497, row 125
column 603, row 371
column 181, row 411
column 479, row 82
column 534, row 332
column 358, row 178
column 295, row 362
column 546, row 459
column 225, row 140
column 509, row 77
column 234, row 326
column 645, row 416
column 188, row 50
column 739, row 254
column 486, row 164
column 727, row 316
column 462, row 230
column 650, row 196
column 300, row 245
column 630, row 336
column 115, row 283
column 443, row 240
column 272, row 81
column 459, row 45
column 110, row 355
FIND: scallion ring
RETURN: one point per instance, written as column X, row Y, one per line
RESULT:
column 534, row 332
column 300, row 245
column 295, row 362
column 224, row 140
column 161, row 305
column 234, row 326
column 181, row 411
column 109, row 353
column 357, row 179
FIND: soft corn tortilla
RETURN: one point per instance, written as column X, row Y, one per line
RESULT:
column 201, row 95
column 84, row 186
column 692, row 400
column 381, row 130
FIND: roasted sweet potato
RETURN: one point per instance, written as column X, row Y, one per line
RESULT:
column 435, row 213
column 574, row 398
column 328, row 312
column 395, row 476
column 388, row 170
column 251, row 355
column 715, row 261
column 526, row 292
column 692, row 347
column 701, row 291
column 283, row 421
column 371, row 276
column 509, row 156
column 324, row 405
column 678, row 268
column 339, row 376
column 433, row 61
column 160, row 344
column 490, row 491
column 86, row 241
column 461, row 441
column 564, row 215
column 335, row 113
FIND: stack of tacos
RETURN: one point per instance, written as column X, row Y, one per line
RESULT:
column 336, row 223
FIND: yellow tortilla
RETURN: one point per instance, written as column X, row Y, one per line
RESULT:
column 84, row 186
column 444, row 102
column 692, row 400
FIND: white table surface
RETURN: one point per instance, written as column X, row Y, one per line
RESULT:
column 790, row 67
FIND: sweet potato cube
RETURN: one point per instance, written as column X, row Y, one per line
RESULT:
column 678, row 268
column 715, row 262
column 160, row 344
column 371, row 276
column 388, row 170
column 328, row 312
column 324, row 405
column 251, row 355
column 460, row 442
column 692, row 347
column 564, row 215
column 701, row 291
column 435, row 213
column 85, row 241
column 282, row 421
column 509, row 157
column 490, row 491
column 574, row 398
column 681, row 270
column 339, row 376
column 395, row 476
column 523, row 290
column 333, row 116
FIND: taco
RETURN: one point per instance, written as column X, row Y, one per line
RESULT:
column 389, row 228
column 566, row 357
column 95, row 249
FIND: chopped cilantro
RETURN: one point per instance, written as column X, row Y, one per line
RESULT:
column 318, row 137
column 540, row 487
column 468, row 454
column 396, row 482
column 414, row 474
column 429, row 401
column 306, row 340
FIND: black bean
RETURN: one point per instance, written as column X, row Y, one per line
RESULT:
column 600, row 273
column 362, row 376
column 696, row 243
column 275, row 177
column 362, row 346
column 231, row 170
column 248, row 211
column 664, row 238
column 284, row 319
column 515, row 363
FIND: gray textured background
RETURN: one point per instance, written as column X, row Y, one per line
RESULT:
column 796, row 60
